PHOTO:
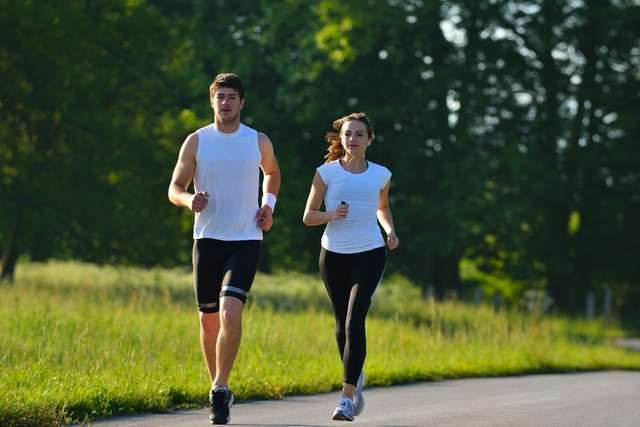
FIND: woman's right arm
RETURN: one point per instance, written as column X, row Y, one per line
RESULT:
column 312, row 213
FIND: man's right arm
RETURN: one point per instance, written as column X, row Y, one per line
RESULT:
column 183, row 173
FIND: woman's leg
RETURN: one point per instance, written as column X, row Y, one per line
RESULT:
column 367, row 273
column 337, row 281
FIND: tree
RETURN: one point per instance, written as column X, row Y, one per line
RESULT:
column 89, row 83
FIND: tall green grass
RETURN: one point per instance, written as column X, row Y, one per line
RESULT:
column 79, row 341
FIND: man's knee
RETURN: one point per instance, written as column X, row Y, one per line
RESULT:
column 231, row 311
column 230, row 318
column 209, row 323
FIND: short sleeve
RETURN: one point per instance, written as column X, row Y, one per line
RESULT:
column 324, row 173
column 385, row 177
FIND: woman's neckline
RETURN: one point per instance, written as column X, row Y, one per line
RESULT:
column 354, row 173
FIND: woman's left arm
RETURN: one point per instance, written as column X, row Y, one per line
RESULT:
column 386, row 219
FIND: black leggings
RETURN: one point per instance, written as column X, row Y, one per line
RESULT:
column 350, row 280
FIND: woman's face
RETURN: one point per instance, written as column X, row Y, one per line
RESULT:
column 354, row 138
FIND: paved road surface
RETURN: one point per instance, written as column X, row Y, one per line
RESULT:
column 594, row 399
column 632, row 344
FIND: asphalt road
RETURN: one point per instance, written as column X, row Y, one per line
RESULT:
column 593, row 399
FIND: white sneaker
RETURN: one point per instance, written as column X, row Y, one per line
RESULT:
column 344, row 411
column 359, row 397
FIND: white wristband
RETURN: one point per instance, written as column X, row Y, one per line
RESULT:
column 269, row 199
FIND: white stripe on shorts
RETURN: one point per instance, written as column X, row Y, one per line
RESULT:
column 235, row 290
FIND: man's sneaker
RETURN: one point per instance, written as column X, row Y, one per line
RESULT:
column 221, row 401
column 359, row 397
column 344, row 411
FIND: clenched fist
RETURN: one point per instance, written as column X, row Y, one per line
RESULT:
column 199, row 201
column 392, row 240
column 265, row 217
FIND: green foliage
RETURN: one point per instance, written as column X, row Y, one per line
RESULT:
column 508, row 119
column 92, row 83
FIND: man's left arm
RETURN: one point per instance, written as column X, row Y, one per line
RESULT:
column 270, row 183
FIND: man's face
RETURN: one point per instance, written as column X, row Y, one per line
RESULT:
column 226, row 104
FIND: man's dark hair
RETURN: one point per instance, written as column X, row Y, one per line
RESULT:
column 227, row 80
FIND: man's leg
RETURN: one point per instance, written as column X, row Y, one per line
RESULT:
column 240, row 269
column 209, row 328
column 208, row 270
column 228, row 342
column 230, row 322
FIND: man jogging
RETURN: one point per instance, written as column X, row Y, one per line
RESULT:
column 223, row 160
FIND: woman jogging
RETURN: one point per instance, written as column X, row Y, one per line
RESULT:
column 352, row 254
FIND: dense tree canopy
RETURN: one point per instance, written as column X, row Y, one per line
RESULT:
column 509, row 127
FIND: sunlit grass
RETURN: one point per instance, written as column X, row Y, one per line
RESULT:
column 79, row 341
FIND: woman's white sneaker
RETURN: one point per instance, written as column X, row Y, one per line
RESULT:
column 344, row 411
column 359, row 397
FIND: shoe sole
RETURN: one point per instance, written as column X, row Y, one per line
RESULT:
column 339, row 416
column 213, row 421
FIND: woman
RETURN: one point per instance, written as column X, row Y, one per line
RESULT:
column 352, row 254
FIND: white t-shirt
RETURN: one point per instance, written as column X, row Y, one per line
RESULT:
column 359, row 231
column 227, row 167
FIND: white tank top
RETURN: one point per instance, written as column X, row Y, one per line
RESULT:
column 359, row 231
column 227, row 167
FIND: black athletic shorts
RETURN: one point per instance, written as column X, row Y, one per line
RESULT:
column 223, row 268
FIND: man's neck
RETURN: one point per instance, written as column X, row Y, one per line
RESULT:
column 227, row 127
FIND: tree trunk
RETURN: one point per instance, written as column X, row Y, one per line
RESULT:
column 556, row 196
column 9, row 259
column 10, row 252
column 443, row 277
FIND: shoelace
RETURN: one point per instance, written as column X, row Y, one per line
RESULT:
column 224, row 397
column 345, row 404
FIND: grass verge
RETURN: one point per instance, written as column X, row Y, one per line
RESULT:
column 79, row 342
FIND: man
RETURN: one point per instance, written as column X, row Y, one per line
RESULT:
column 223, row 159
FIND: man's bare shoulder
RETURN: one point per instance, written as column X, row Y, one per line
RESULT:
column 190, row 144
column 264, row 139
column 192, row 138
